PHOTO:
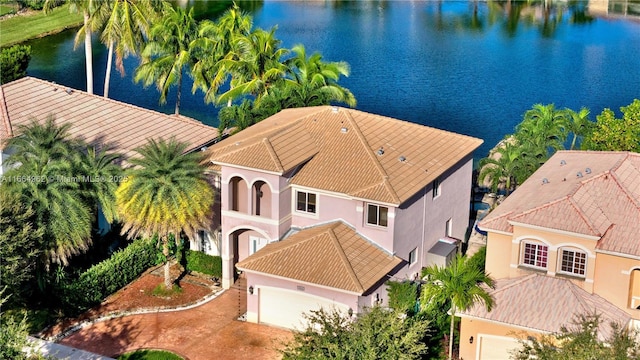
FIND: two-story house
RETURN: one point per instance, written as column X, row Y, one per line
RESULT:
column 322, row 205
column 565, row 243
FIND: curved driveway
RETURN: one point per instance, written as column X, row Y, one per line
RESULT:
column 209, row 331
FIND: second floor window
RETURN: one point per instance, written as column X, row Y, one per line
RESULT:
column 535, row 255
column 377, row 215
column 306, row 202
column 573, row 262
column 436, row 188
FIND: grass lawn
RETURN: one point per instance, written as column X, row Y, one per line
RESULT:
column 7, row 9
column 149, row 355
column 35, row 24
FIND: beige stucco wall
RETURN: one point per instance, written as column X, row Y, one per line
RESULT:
column 613, row 282
column 475, row 327
column 498, row 255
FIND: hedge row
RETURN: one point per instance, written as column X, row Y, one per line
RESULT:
column 108, row 276
column 203, row 263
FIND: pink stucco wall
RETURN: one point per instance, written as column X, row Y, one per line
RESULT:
column 421, row 220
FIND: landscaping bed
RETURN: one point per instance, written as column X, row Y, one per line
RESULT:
column 139, row 295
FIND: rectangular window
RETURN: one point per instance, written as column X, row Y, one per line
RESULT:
column 436, row 188
column 535, row 255
column 412, row 256
column 573, row 262
column 377, row 215
column 306, row 202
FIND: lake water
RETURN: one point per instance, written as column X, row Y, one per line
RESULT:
column 469, row 67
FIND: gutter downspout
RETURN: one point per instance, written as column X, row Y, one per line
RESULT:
column 424, row 214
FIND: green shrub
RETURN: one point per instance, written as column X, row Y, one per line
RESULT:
column 203, row 263
column 403, row 296
column 14, row 62
column 108, row 276
column 32, row 4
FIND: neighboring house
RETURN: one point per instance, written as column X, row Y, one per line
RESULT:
column 99, row 121
column 322, row 205
column 566, row 242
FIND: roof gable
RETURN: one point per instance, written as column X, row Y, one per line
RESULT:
column 98, row 120
column 331, row 255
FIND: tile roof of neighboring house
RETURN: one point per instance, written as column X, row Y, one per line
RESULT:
column 546, row 303
column 96, row 119
column 332, row 255
column 585, row 192
column 347, row 151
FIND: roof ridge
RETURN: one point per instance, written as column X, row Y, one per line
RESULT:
column 584, row 216
column 624, row 189
column 343, row 257
column 363, row 141
column 517, row 282
column 272, row 153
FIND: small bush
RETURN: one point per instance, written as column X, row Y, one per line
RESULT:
column 203, row 263
column 108, row 276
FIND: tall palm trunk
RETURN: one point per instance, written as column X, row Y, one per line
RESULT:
column 178, row 94
column 88, row 53
column 107, row 77
column 167, row 273
column 453, row 315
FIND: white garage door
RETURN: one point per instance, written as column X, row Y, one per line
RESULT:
column 496, row 347
column 284, row 308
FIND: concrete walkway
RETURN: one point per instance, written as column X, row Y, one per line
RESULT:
column 58, row 351
column 209, row 331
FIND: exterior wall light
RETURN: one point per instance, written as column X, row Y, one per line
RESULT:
column 250, row 290
column 471, row 340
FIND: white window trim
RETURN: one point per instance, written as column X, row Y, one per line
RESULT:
column 522, row 250
column 569, row 273
column 436, row 191
column 302, row 212
column 366, row 216
column 415, row 257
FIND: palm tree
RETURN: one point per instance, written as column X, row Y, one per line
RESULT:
column 314, row 82
column 88, row 9
column 508, row 164
column 579, row 124
column 254, row 65
column 126, row 25
column 102, row 172
column 543, row 128
column 215, row 44
column 460, row 284
column 168, row 52
column 165, row 192
column 45, row 157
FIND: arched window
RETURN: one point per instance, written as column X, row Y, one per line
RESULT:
column 572, row 261
column 534, row 254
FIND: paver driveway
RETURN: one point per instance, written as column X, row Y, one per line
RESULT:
column 209, row 331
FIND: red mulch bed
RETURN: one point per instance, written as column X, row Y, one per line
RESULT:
column 139, row 295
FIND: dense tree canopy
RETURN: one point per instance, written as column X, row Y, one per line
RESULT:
column 377, row 333
column 614, row 134
column 580, row 341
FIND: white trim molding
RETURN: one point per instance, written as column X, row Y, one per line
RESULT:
column 614, row 253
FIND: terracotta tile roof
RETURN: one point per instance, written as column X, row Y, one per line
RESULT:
column 546, row 303
column 338, row 149
column 586, row 192
column 332, row 255
column 94, row 118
